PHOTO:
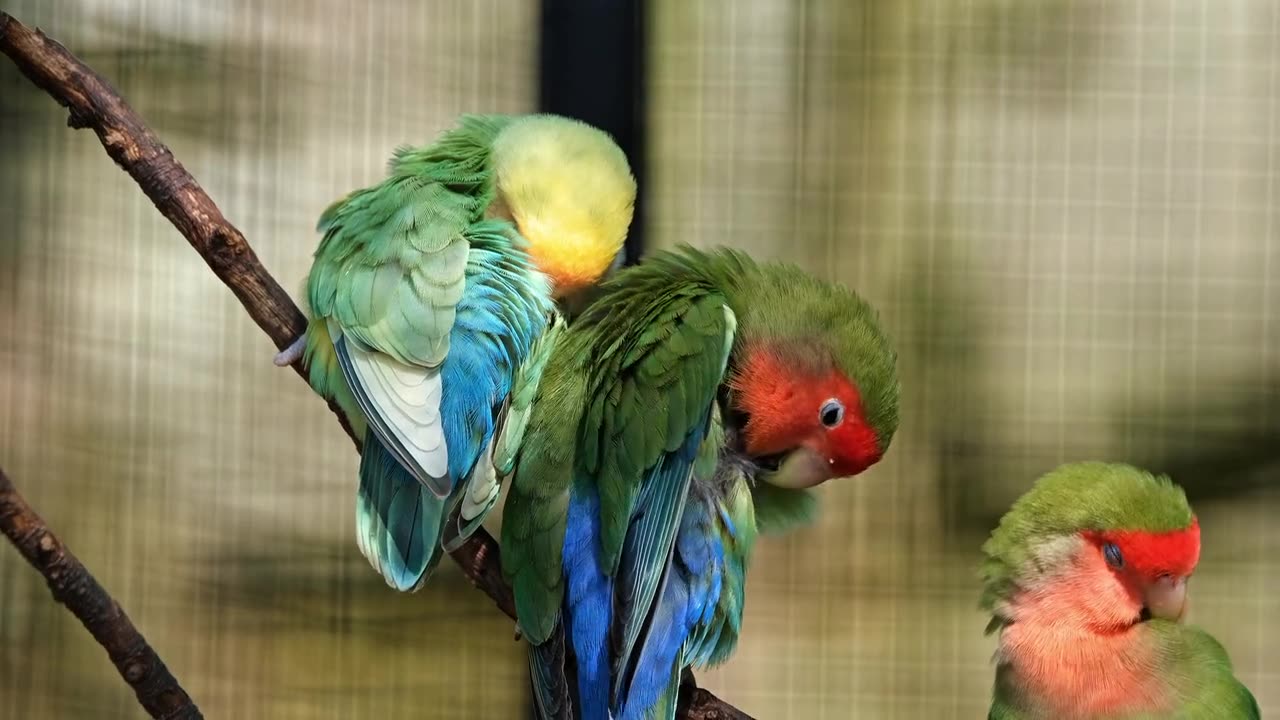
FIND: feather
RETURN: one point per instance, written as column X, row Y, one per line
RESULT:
column 635, row 404
column 426, row 310
column 779, row 510
column 397, row 519
column 646, row 555
column 1049, row 586
column 547, row 673
column 628, row 518
column 588, row 602
column 402, row 404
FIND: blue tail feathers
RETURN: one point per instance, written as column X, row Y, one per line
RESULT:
column 398, row 520
column 588, row 603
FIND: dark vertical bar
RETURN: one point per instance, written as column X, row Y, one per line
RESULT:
column 593, row 69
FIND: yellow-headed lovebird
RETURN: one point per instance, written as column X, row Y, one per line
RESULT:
column 432, row 303
column 691, row 405
column 1086, row 580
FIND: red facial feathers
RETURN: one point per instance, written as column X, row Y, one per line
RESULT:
column 783, row 401
column 1151, row 555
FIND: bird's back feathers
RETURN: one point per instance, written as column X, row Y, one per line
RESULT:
column 429, row 309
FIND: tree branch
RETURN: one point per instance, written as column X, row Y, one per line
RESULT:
column 93, row 103
column 71, row 584
column 694, row 703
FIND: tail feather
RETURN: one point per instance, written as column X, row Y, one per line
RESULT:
column 398, row 520
column 669, row 699
column 547, row 673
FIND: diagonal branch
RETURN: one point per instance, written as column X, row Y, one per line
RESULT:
column 93, row 103
column 71, row 584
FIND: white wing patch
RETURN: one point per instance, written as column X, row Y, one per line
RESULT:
column 402, row 403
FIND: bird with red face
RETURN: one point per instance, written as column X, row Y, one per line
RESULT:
column 691, row 406
column 1086, row 580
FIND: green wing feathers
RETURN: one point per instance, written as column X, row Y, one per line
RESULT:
column 654, row 354
column 386, row 281
column 1203, row 677
column 650, row 392
column 325, row 375
column 524, row 389
column 780, row 510
column 390, row 264
column 399, row 294
column 384, row 288
column 537, row 502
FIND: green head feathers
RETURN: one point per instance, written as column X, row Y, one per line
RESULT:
column 814, row 325
column 781, row 302
column 1075, row 498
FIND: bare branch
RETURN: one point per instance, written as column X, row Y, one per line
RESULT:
column 695, row 703
column 94, row 104
column 72, row 585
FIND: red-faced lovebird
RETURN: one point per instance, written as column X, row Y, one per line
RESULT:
column 432, row 296
column 688, row 407
column 1086, row 581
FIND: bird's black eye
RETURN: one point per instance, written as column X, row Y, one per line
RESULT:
column 1112, row 553
column 832, row 413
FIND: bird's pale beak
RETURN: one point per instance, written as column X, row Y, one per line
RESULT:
column 799, row 469
column 1167, row 598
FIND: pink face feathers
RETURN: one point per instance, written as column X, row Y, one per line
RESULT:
column 1076, row 641
column 1153, row 567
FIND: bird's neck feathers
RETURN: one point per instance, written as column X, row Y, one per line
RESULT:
column 1070, row 644
column 563, row 246
column 569, row 191
column 572, row 254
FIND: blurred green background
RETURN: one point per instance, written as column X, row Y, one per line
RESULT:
column 1066, row 212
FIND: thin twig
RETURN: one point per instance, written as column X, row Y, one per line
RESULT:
column 71, row 584
column 93, row 103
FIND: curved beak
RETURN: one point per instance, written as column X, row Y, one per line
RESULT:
column 799, row 469
column 1167, row 598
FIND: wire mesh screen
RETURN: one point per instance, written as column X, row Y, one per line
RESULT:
column 1065, row 212
column 141, row 413
column 1062, row 209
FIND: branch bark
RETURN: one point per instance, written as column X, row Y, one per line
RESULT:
column 694, row 703
column 92, row 103
column 71, row 584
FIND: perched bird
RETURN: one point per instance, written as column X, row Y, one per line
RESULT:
column 1086, row 580
column 432, row 300
column 687, row 408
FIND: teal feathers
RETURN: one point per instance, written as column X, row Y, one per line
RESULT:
column 429, row 295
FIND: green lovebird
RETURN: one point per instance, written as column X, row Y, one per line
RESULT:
column 432, row 309
column 1086, row 580
column 690, row 406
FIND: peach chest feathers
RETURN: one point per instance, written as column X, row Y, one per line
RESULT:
column 1075, row 673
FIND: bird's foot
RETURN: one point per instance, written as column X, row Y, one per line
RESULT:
column 293, row 353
